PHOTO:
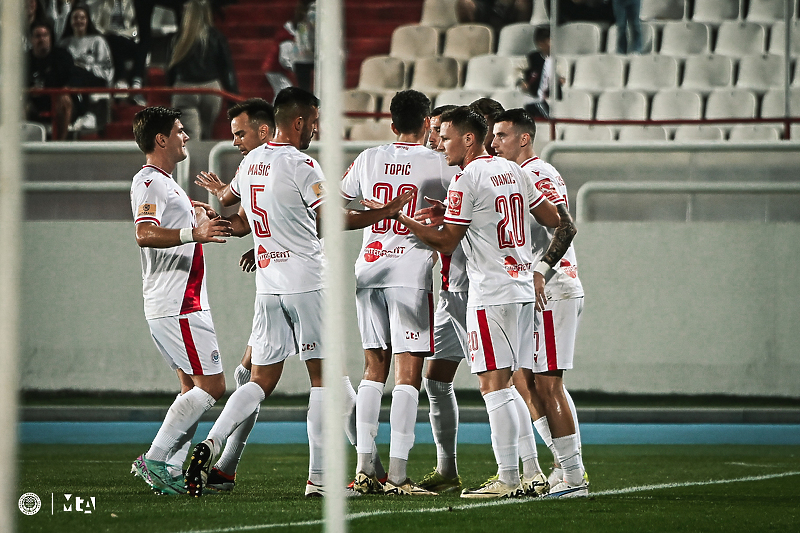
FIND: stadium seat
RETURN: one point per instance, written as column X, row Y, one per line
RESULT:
column 580, row 133
column 715, row 11
column 439, row 14
column 739, row 39
column 539, row 16
column 432, row 75
column 642, row 133
column 33, row 132
column 658, row 10
column 467, row 40
column 687, row 133
column 621, row 105
column 372, row 130
column 706, row 73
column 457, row 97
column 574, row 103
column 761, row 72
column 490, row 73
column 676, row 104
column 577, row 38
column 648, row 39
column 773, row 104
column 682, row 39
column 511, row 98
column 596, row 73
column 412, row 41
column 516, row 40
column 382, row 74
column 767, row 11
column 652, row 72
column 731, row 103
column 777, row 39
column 754, row 132
column 358, row 101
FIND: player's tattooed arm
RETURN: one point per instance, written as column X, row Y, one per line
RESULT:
column 562, row 237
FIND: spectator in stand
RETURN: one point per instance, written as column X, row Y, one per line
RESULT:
column 58, row 11
column 92, row 58
column 495, row 13
column 303, row 53
column 49, row 66
column 144, row 20
column 33, row 12
column 536, row 78
column 200, row 58
column 116, row 20
column 626, row 13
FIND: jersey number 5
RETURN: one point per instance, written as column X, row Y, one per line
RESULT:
column 260, row 221
column 383, row 192
column 511, row 229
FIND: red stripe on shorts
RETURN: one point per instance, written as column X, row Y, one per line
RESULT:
column 550, row 340
column 486, row 340
column 191, row 350
column 430, row 319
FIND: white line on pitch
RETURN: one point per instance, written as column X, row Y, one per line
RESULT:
column 494, row 503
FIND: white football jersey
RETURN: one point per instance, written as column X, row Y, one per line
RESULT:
column 494, row 196
column 280, row 187
column 391, row 256
column 565, row 282
column 173, row 279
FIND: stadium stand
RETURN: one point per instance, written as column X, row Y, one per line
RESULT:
column 578, row 38
column 371, row 130
column 433, row 75
column 682, row 39
column 511, row 98
column 777, row 38
column 691, row 132
column 457, row 97
column 715, row 11
column 381, row 75
column 357, row 100
column 753, row 132
column 580, row 133
column 738, row 38
column 575, row 103
column 651, row 73
column 411, row 42
column 760, row 72
column 658, row 11
column 730, row 103
column 489, row 73
column 439, row 14
column 597, row 73
column 767, row 11
column 539, row 17
column 466, row 41
column 516, row 40
column 642, row 134
column 648, row 38
column 621, row 105
column 708, row 72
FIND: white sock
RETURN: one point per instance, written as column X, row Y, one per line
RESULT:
column 368, row 409
column 349, row 410
column 504, row 424
column 527, row 443
column 234, row 446
column 242, row 404
column 575, row 421
column 242, row 376
column 184, row 412
column 402, row 418
column 444, row 423
column 570, row 458
column 176, row 460
column 543, row 428
column 316, row 442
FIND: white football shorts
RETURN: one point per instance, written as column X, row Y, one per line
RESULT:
column 450, row 327
column 188, row 342
column 286, row 324
column 499, row 336
column 396, row 316
column 554, row 338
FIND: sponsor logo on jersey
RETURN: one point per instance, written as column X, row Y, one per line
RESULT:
column 454, row 202
column 503, row 179
column 548, row 189
column 147, row 210
column 318, row 188
column 374, row 251
column 513, row 268
column 259, row 169
column 309, row 162
column 264, row 257
column 568, row 268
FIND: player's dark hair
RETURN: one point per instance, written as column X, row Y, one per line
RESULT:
column 487, row 107
column 467, row 120
column 441, row 109
column 541, row 33
column 520, row 119
column 151, row 121
column 409, row 109
column 258, row 110
column 293, row 102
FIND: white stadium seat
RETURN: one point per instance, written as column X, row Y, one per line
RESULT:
column 457, row 97
column 490, row 73
column 682, row 39
column 739, row 39
column 382, row 74
column 511, row 98
column 621, row 105
column 658, row 10
column 516, row 40
column 777, row 39
column 412, row 41
column 580, row 133
column 642, row 133
column 440, row 14
column 687, row 133
column 767, row 11
column 761, row 72
column 596, row 73
column 706, row 73
column 432, row 75
column 652, row 72
column 731, row 103
column 754, row 132
column 467, row 40
column 715, row 11
column 577, row 38
column 676, row 104
column 372, row 130
column 648, row 38
column 574, row 103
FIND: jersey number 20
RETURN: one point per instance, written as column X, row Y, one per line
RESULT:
column 511, row 229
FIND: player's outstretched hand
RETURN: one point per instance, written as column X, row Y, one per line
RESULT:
column 209, row 211
column 393, row 207
column 211, row 230
column 433, row 215
column 248, row 261
column 538, row 285
column 210, row 182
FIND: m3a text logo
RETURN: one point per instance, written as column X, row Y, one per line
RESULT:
column 77, row 504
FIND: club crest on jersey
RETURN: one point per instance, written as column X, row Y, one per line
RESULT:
column 548, row 189
column 568, row 268
column 318, row 188
column 374, row 251
column 264, row 257
column 454, row 202
column 147, row 183
column 215, row 356
column 147, row 210
column 513, row 268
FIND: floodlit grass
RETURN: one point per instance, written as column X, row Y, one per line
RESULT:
column 269, row 493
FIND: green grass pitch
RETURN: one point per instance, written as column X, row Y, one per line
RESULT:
column 633, row 488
